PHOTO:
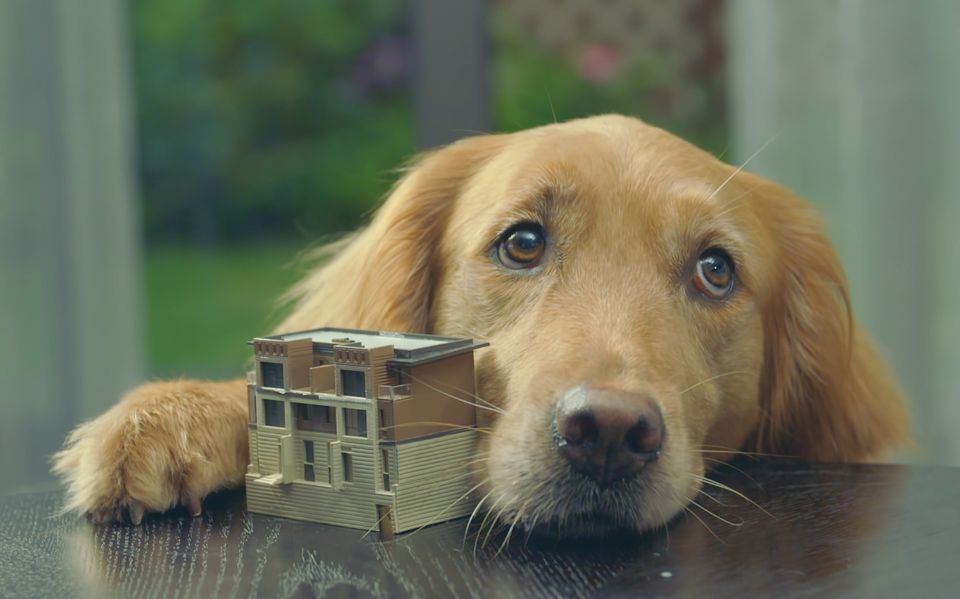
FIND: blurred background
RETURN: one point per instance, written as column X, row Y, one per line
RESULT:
column 164, row 162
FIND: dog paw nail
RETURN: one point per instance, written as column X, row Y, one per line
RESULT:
column 136, row 513
column 191, row 502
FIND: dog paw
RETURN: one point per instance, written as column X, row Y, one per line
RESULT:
column 164, row 445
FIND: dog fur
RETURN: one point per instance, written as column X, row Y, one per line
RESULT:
column 780, row 367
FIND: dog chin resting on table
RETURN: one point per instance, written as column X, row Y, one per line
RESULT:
column 651, row 311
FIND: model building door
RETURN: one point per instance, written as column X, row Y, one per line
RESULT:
column 385, row 520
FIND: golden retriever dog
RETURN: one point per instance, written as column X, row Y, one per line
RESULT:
column 650, row 311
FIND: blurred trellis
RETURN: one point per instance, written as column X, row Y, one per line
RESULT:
column 663, row 61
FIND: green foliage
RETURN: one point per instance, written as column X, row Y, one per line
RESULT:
column 203, row 305
column 260, row 118
column 532, row 86
column 285, row 119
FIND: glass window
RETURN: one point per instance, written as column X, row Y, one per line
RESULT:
column 347, row 466
column 385, row 467
column 354, row 383
column 354, row 422
column 315, row 418
column 308, row 473
column 273, row 413
column 308, row 451
column 271, row 375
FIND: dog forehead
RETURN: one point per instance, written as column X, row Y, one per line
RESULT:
column 597, row 183
column 609, row 158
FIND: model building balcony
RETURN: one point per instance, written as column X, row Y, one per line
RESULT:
column 394, row 391
column 323, row 379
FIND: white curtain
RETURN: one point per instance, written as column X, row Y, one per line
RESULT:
column 862, row 101
column 70, row 338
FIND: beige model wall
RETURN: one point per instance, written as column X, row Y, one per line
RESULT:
column 353, row 504
column 434, row 479
column 431, row 482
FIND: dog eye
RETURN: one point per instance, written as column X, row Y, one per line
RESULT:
column 522, row 246
column 713, row 276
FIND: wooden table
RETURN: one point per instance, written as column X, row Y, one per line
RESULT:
column 834, row 530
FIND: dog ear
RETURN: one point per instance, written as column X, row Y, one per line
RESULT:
column 826, row 393
column 383, row 277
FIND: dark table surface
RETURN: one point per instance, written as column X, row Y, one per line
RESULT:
column 835, row 530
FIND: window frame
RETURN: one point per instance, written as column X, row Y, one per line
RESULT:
column 331, row 421
column 361, row 415
column 283, row 412
column 309, row 460
column 263, row 377
column 346, row 466
column 353, row 372
column 385, row 469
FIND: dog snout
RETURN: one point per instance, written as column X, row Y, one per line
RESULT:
column 608, row 434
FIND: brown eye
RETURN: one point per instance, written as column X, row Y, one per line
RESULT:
column 713, row 276
column 522, row 246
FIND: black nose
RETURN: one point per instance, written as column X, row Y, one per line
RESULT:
column 608, row 434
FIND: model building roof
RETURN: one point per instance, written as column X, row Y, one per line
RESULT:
column 408, row 348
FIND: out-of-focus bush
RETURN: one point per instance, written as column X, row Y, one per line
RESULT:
column 285, row 120
column 662, row 62
column 268, row 119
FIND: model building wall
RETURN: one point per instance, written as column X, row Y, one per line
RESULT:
column 352, row 503
column 442, row 398
column 419, row 500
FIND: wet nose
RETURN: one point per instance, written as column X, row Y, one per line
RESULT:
column 608, row 434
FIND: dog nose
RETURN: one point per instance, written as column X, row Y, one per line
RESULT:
column 608, row 434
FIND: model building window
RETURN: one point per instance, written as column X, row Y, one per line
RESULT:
column 385, row 467
column 271, row 375
column 354, row 422
column 308, row 473
column 354, row 383
column 315, row 418
column 347, row 466
column 273, row 413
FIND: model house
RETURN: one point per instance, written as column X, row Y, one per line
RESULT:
column 363, row 429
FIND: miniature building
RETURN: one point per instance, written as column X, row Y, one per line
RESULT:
column 362, row 429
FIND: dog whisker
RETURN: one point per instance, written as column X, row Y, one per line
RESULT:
column 733, row 202
column 480, row 429
column 720, row 518
column 489, row 405
column 506, row 539
column 436, row 518
column 740, row 168
column 709, row 481
column 478, row 460
column 700, row 520
column 712, row 378
column 713, row 499
column 553, row 112
column 720, row 463
column 376, row 525
column 707, row 448
column 483, row 524
column 434, row 384
column 452, row 387
column 473, row 514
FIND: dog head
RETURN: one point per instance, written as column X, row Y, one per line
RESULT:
column 650, row 311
